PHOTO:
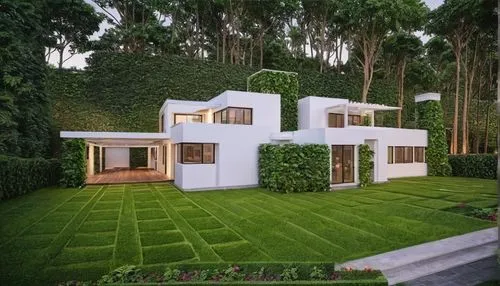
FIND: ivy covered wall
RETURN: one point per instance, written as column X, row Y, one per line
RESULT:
column 285, row 84
column 73, row 163
column 430, row 117
column 123, row 92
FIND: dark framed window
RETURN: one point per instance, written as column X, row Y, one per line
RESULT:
column 335, row 120
column 234, row 115
column 187, row 118
column 399, row 154
column 342, row 164
column 419, row 154
column 408, row 154
column 354, row 120
column 195, row 153
column 390, row 154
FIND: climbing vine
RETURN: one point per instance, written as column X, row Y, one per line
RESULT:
column 285, row 84
column 73, row 163
column 365, row 165
column 430, row 117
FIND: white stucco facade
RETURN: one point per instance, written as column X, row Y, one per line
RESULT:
column 232, row 157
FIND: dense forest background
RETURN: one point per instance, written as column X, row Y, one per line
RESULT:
column 194, row 49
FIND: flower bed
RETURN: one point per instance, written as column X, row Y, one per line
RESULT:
column 477, row 212
column 247, row 273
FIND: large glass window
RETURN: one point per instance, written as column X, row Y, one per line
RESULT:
column 408, row 154
column 402, row 154
column 336, row 120
column 187, row 118
column 234, row 115
column 390, row 154
column 399, row 154
column 419, row 154
column 195, row 153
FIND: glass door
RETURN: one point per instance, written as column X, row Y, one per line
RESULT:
column 342, row 164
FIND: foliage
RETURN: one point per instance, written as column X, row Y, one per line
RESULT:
column 19, row 176
column 73, row 163
column 122, row 274
column 365, row 166
column 477, row 212
column 317, row 273
column 430, row 117
column 305, row 168
column 289, row 274
column 24, row 106
column 70, row 24
column 138, row 157
column 121, row 98
column 287, row 86
column 474, row 165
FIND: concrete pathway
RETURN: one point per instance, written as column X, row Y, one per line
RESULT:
column 465, row 275
column 425, row 259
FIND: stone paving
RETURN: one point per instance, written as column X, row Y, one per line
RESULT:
column 465, row 275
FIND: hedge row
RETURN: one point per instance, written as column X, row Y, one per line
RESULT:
column 123, row 92
column 474, row 165
column 292, row 168
column 74, row 172
column 19, row 176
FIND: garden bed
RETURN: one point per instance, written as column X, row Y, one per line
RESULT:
column 488, row 213
column 239, row 274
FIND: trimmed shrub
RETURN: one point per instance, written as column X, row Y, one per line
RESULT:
column 430, row 117
column 474, row 165
column 365, row 165
column 73, row 163
column 286, row 84
column 19, row 176
column 294, row 168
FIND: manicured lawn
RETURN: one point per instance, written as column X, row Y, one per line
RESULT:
column 65, row 234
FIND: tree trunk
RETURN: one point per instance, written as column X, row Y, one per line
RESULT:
column 464, row 106
column 401, row 79
column 477, row 136
column 251, row 51
column 454, row 135
column 261, row 44
column 486, row 129
column 61, row 54
column 223, row 48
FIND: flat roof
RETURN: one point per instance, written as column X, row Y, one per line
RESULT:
column 116, row 138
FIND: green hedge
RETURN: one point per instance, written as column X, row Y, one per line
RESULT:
column 19, row 176
column 73, row 163
column 474, row 165
column 293, row 168
column 123, row 92
column 430, row 117
column 285, row 84
column 365, row 165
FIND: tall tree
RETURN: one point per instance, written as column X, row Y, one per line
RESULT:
column 401, row 48
column 370, row 21
column 455, row 21
column 71, row 23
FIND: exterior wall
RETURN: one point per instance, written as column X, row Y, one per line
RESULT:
column 313, row 113
column 117, row 157
column 171, row 109
column 236, row 155
column 90, row 160
column 406, row 170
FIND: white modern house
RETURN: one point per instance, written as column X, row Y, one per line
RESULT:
column 205, row 145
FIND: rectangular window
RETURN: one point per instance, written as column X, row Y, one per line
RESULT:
column 195, row 153
column 419, row 155
column 390, row 154
column 234, row 115
column 399, row 154
column 408, row 154
column 354, row 120
column 187, row 118
column 335, row 120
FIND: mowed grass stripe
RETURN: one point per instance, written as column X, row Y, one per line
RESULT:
column 128, row 246
column 11, row 229
column 202, row 250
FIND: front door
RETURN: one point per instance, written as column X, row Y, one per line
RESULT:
column 342, row 164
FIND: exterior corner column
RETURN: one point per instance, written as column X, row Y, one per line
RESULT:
column 346, row 115
column 149, row 158
column 372, row 118
column 100, row 159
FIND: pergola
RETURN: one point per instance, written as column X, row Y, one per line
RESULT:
column 359, row 108
column 151, row 141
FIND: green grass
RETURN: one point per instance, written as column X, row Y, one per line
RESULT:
column 63, row 234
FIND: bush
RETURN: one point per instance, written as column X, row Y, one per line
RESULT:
column 305, row 168
column 73, row 164
column 285, row 84
column 19, row 176
column 365, row 165
column 474, row 165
